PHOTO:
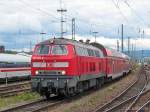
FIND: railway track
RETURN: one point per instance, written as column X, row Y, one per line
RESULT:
column 142, row 98
column 145, row 107
column 131, row 92
column 129, row 97
column 34, row 106
column 13, row 89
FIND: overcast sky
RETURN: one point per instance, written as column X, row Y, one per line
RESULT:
column 22, row 21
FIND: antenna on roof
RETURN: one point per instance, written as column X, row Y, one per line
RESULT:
column 81, row 41
column 95, row 35
column 73, row 28
column 87, row 41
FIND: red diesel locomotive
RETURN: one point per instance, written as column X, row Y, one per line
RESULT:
column 64, row 66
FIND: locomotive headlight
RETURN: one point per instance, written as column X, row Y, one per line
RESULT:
column 63, row 72
column 36, row 72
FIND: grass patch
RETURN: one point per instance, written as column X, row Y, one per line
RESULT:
column 20, row 98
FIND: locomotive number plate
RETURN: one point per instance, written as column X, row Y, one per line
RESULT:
column 49, row 64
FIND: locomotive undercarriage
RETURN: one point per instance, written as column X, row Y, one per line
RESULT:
column 63, row 85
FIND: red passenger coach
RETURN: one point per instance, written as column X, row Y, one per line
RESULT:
column 63, row 66
column 117, row 63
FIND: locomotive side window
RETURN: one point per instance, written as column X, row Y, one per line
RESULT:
column 97, row 53
column 90, row 52
column 42, row 49
column 85, row 52
column 101, row 53
column 78, row 51
column 81, row 51
column 59, row 50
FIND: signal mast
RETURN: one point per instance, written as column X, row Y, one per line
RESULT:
column 61, row 11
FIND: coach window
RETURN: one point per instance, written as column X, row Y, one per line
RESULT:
column 59, row 50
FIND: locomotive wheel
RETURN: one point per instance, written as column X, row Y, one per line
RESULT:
column 47, row 95
column 70, row 92
column 80, row 87
column 99, row 83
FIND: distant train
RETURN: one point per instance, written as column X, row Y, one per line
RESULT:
column 66, row 67
column 15, row 67
column 14, row 60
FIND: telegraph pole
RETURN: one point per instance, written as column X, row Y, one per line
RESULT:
column 122, row 37
column 132, row 51
column 30, row 46
column 142, row 43
column 118, row 45
column 128, row 45
column 95, row 35
column 73, row 28
column 42, row 33
column 61, row 11
column 135, row 50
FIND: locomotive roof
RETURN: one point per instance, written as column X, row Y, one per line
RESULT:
column 68, row 41
column 95, row 46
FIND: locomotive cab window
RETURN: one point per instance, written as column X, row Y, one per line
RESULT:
column 59, row 50
column 42, row 49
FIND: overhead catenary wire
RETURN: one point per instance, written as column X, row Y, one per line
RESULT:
column 38, row 9
column 135, row 13
column 116, row 4
column 121, row 13
column 45, row 12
